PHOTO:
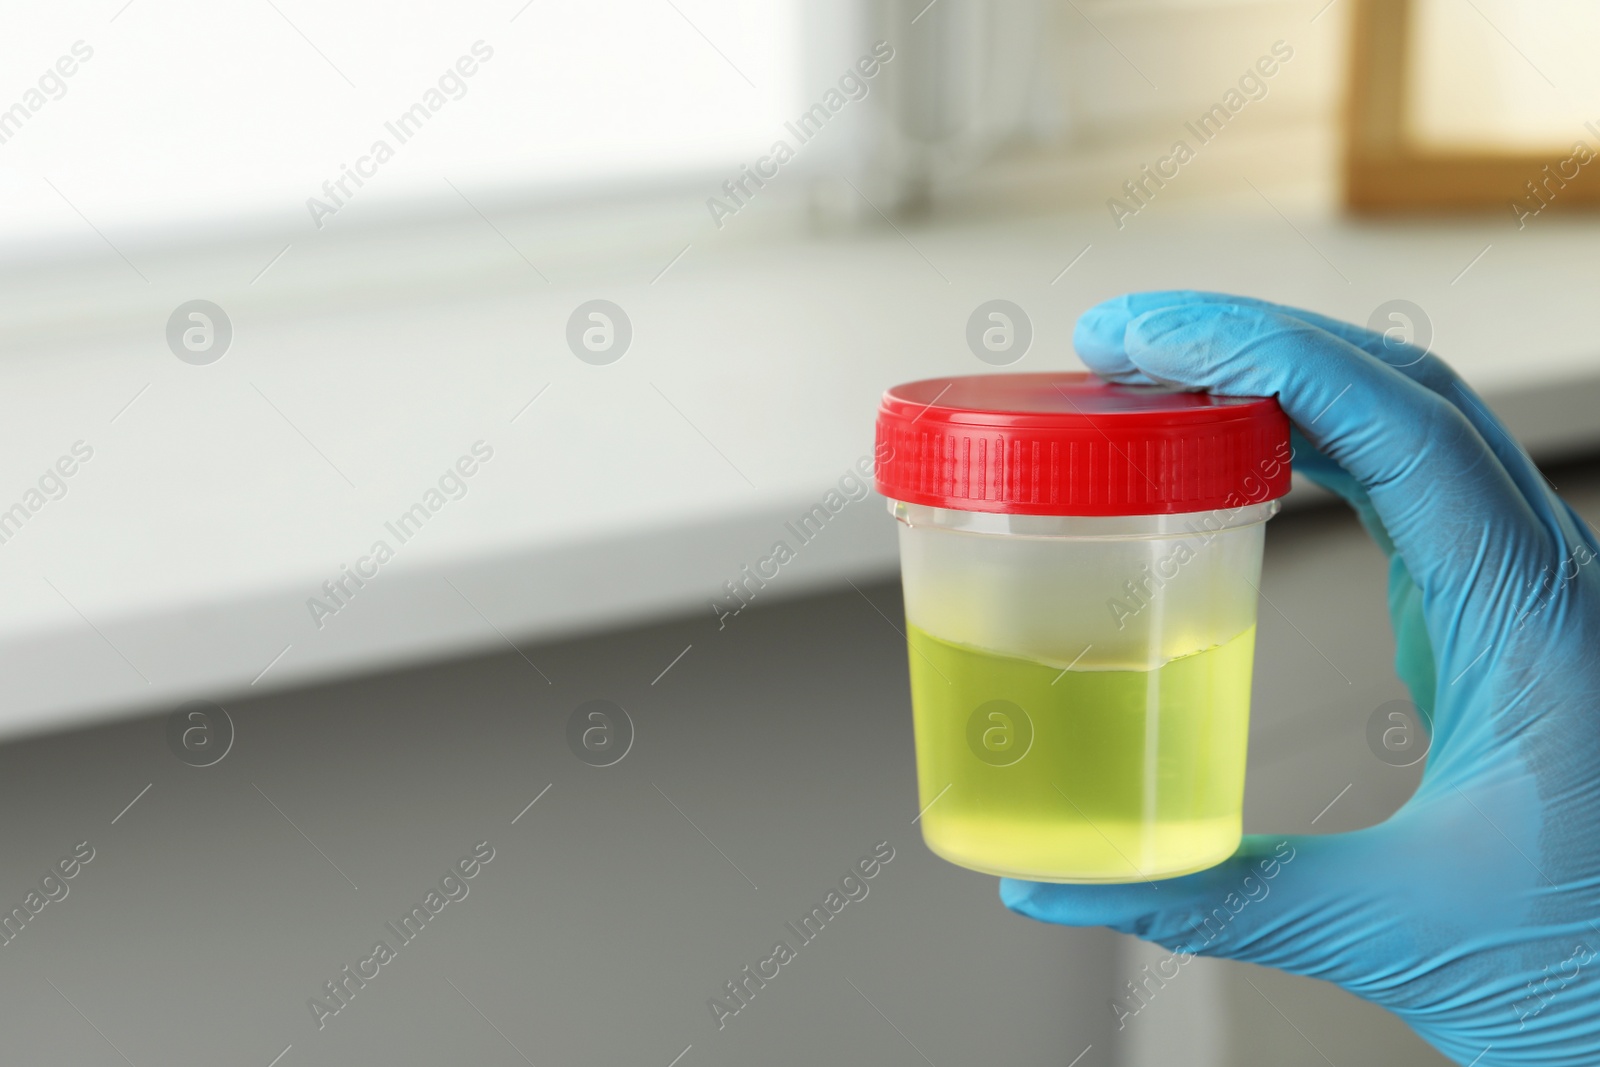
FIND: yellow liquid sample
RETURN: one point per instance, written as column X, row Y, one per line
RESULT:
column 1080, row 775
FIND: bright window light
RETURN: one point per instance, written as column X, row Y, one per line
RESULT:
column 188, row 114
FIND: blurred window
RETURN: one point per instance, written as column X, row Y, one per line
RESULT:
column 188, row 114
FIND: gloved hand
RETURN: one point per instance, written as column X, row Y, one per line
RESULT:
column 1472, row 913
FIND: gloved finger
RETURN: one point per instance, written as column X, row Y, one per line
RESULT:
column 1099, row 340
column 1443, row 497
column 1101, row 333
column 1334, row 478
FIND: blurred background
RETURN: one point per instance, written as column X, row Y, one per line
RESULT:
column 385, row 384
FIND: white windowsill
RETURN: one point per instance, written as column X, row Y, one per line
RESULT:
column 181, row 559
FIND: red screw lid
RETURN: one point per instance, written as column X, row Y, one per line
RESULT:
column 1072, row 444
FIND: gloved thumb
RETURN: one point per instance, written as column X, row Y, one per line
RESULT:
column 1259, row 905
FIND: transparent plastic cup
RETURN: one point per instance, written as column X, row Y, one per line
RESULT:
column 1080, row 636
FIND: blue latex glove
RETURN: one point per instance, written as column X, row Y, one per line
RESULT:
column 1472, row 912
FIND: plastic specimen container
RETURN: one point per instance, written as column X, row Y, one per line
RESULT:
column 1080, row 562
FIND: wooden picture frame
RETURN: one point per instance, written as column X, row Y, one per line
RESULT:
column 1385, row 172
